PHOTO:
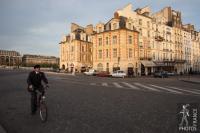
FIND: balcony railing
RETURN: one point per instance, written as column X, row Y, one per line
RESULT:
column 159, row 38
column 167, row 50
column 180, row 61
column 145, row 58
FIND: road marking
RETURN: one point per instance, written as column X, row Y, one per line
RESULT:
column 183, row 90
column 146, row 87
column 117, row 85
column 105, row 84
column 130, row 85
column 163, row 88
column 92, row 83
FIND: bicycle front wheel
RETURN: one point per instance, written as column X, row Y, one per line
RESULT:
column 43, row 112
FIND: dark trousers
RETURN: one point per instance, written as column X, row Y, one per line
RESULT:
column 34, row 99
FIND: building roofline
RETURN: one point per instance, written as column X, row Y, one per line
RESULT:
column 117, row 30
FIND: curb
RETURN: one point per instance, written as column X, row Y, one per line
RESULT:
column 189, row 81
column 2, row 130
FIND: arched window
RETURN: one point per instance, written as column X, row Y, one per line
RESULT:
column 63, row 66
column 100, row 67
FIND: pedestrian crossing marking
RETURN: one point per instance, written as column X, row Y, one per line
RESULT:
column 92, row 83
column 105, row 84
column 151, row 87
column 117, row 85
column 163, row 88
column 146, row 87
column 130, row 85
column 183, row 90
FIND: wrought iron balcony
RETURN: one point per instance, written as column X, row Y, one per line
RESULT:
column 159, row 38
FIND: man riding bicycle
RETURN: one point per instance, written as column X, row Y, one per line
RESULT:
column 34, row 82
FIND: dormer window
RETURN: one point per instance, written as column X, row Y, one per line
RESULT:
column 100, row 29
column 129, row 26
column 114, row 26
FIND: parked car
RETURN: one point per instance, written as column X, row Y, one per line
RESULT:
column 160, row 74
column 170, row 73
column 119, row 73
column 103, row 74
column 91, row 72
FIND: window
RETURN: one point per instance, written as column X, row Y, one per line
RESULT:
column 148, row 33
column 154, row 57
column 141, row 44
column 140, row 30
column 83, row 49
column 140, row 21
column 107, row 54
column 148, row 24
column 72, row 49
column 114, row 26
column 153, row 45
column 129, row 26
column 84, row 58
column 164, row 56
column 107, row 40
column 130, row 53
column 114, row 53
column 114, row 39
column 141, row 54
column 100, row 67
column 100, row 41
column 100, row 54
column 129, row 39
column 100, row 29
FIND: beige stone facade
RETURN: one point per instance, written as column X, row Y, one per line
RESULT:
column 10, row 58
column 116, row 46
column 163, row 42
column 31, row 60
column 76, row 49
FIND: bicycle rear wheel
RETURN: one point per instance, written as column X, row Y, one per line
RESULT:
column 43, row 112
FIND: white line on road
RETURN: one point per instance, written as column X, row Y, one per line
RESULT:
column 92, row 83
column 105, row 84
column 131, row 86
column 117, row 85
column 146, row 87
column 163, row 88
column 183, row 90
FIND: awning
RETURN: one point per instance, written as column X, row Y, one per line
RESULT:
column 148, row 63
column 164, row 63
column 159, row 64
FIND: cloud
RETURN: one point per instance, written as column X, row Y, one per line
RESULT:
column 37, row 26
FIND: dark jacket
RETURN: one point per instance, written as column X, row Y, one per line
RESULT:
column 36, row 79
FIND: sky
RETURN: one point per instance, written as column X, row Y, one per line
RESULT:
column 37, row 26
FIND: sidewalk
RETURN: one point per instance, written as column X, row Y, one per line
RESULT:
column 2, row 129
column 191, row 79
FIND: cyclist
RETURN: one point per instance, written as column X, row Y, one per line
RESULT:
column 34, row 82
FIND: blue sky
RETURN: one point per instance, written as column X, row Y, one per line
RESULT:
column 37, row 26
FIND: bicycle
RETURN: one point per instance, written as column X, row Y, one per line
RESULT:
column 42, row 106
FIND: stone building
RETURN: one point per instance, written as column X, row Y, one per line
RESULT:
column 44, row 61
column 10, row 58
column 115, row 46
column 76, row 49
column 163, row 43
column 142, row 22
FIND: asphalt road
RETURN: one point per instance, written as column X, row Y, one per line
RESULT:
column 87, row 104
